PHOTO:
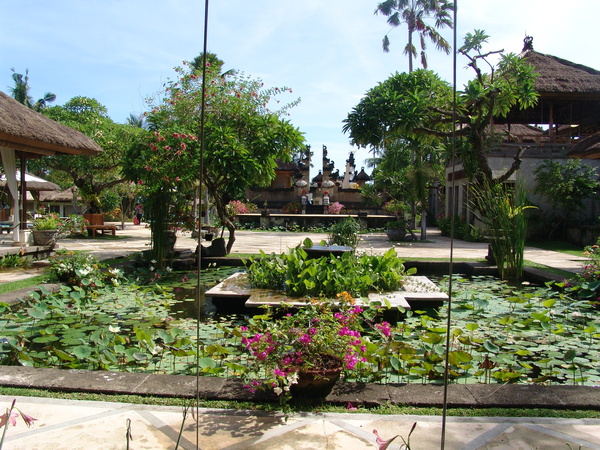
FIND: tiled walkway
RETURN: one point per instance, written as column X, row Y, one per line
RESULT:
column 64, row 424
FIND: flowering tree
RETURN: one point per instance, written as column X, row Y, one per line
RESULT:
column 243, row 139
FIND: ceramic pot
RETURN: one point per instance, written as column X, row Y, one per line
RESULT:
column 317, row 383
column 395, row 234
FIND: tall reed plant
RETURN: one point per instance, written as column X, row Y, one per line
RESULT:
column 502, row 211
column 157, row 209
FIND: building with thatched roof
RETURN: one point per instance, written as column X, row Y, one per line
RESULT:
column 24, row 134
column 564, row 121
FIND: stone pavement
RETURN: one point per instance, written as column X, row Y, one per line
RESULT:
column 137, row 238
column 67, row 424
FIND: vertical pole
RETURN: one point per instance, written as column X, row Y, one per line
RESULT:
column 23, row 217
column 451, row 265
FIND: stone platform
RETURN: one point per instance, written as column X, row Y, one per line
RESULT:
column 416, row 289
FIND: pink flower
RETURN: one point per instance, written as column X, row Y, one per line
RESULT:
column 385, row 328
column 184, row 279
column 278, row 372
column 305, row 339
column 27, row 418
column 381, row 443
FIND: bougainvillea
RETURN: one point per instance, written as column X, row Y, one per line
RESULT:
column 243, row 138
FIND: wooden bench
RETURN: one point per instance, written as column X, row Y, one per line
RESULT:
column 102, row 229
column 95, row 224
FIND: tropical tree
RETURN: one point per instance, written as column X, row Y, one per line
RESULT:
column 213, row 61
column 566, row 185
column 413, row 160
column 243, row 140
column 136, row 120
column 93, row 175
column 420, row 105
column 415, row 13
column 20, row 92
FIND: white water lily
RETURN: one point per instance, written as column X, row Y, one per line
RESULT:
column 115, row 329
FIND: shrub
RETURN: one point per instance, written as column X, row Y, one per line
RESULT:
column 298, row 276
column 345, row 232
column 335, row 208
column 82, row 269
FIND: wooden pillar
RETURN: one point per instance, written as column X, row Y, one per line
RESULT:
column 23, row 168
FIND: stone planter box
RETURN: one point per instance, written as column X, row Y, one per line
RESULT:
column 44, row 238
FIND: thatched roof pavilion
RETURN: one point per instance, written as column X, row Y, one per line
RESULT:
column 588, row 148
column 24, row 129
column 34, row 183
column 569, row 94
column 25, row 133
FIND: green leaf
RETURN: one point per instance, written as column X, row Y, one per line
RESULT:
column 491, row 347
column 63, row 355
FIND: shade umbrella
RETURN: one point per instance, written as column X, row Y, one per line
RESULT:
column 25, row 133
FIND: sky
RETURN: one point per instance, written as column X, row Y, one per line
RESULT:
column 329, row 53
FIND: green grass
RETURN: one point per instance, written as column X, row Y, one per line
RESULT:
column 557, row 246
column 561, row 273
column 386, row 409
column 25, row 283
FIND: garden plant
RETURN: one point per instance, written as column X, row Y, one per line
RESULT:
column 499, row 332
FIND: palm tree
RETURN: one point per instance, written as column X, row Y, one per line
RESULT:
column 215, row 63
column 21, row 92
column 414, row 13
column 136, row 120
column 48, row 97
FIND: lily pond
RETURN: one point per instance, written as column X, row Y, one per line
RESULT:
column 499, row 333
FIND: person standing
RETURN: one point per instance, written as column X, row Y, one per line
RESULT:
column 138, row 211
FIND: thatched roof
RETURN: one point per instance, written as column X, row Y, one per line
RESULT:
column 569, row 93
column 32, row 183
column 561, row 77
column 22, row 128
column 62, row 196
column 588, row 148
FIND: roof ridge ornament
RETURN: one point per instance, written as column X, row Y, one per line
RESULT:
column 528, row 43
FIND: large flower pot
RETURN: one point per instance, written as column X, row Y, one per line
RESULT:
column 317, row 383
column 44, row 237
column 170, row 239
column 396, row 234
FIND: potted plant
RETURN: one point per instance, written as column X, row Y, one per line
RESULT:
column 303, row 353
column 335, row 208
column 396, row 229
column 48, row 228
